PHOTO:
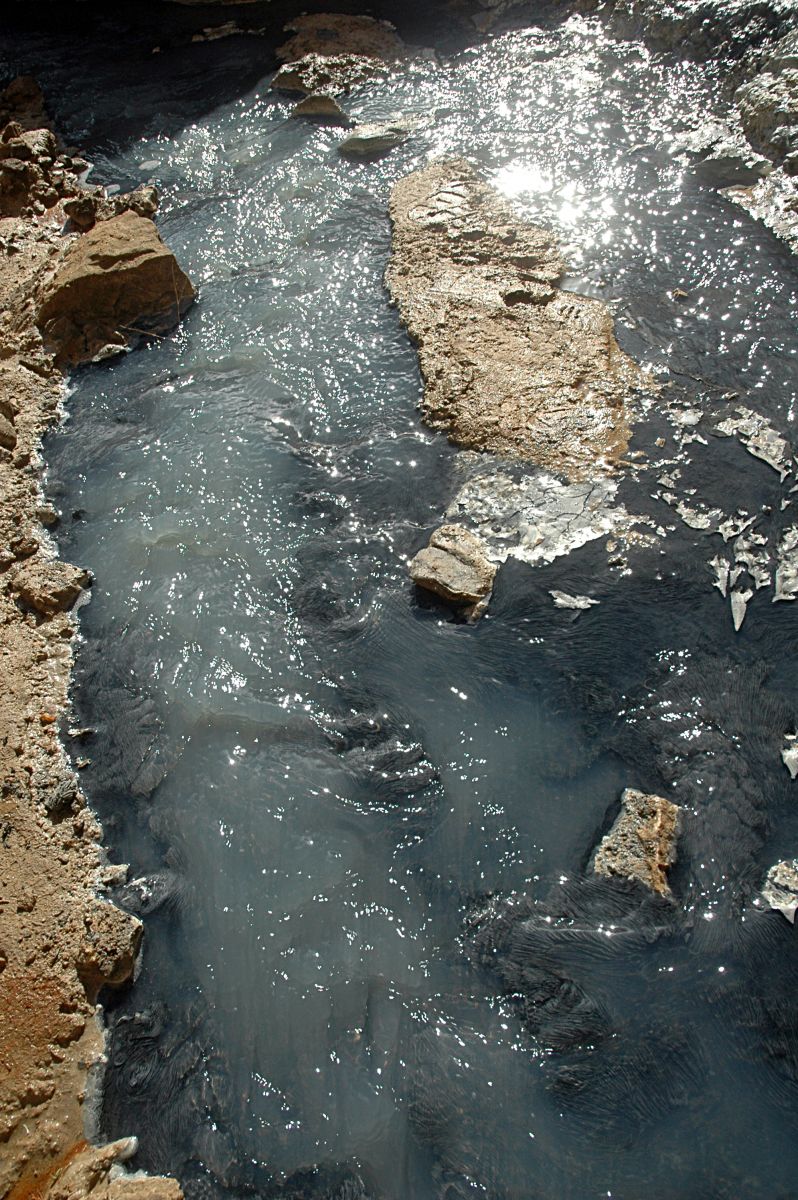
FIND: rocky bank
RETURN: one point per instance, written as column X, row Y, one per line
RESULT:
column 67, row 297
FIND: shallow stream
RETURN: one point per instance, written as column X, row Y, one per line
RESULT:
column 321, row 780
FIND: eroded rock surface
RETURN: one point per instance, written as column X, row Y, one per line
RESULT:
column 511, row 363
column 455, row 566
column 642, row 842
column 330, row 53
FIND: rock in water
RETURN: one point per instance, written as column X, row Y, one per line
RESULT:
column 371, row 141
column 781, row 888
column 113, row 284
column 511, row 363
column 334, row 52
column 642, row 842
column 319, row 107
column 333, row 74
column 454, row 565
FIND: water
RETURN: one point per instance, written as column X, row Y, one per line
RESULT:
column 325, row 786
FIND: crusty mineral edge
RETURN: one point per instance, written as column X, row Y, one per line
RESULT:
column 511, row 364
column 60, row 940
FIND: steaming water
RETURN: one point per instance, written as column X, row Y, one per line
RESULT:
column 319, row 775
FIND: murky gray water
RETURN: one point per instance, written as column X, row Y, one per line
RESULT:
column 321, row 780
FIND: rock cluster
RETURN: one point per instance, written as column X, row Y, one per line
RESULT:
column 642, row 842
column 511, row 363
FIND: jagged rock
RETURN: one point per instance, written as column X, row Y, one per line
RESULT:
column 85, row 210
column 642, row 842
column 566, row 600
column 780, row 890
column 334, row 52
column 454, row 565
column 332, row 74
column 108, row 946
column 319, row 107
column 511, row 364
column 371, row 141
column 116, row 282
column 49, row 586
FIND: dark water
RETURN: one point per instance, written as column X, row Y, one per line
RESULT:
column 376, row 962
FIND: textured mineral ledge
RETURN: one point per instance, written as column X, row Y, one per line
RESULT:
column 642, row 842
column 511, row 363
column 65, row 297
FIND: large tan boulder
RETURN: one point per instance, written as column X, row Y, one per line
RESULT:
column 114, row 284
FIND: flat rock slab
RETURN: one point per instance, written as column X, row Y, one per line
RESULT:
column 454, row 565
column 642, row 842
column 113, row 284
column 781, row 888
column 511, row 363
column 372, row 141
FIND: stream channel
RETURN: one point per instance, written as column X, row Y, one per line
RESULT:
column 326, row 786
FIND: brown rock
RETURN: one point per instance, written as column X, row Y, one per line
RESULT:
column 110, row 940
column 511, row 363
column 22, row 101
column 340, row 33
column 321, row 108
column 642, row 842
column 8, row 434
column 86, row 209
column 49, row 587
column 116, row 282
column 455, row 566
column 332, row 74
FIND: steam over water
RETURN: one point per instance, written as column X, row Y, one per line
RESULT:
column 325, row 786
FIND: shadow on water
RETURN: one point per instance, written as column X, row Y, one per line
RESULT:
column 376, row 960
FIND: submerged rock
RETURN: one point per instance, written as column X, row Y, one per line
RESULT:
column 642, row 842
column 320, row 107
column 455, row 566
column 371, row 141
column 511, row 364
column 780, row 890
column 113, row 284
